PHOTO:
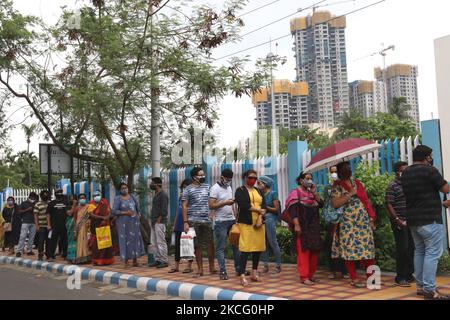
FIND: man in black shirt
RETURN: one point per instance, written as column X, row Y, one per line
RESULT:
column 404, row 242
column 26, row 210
column 57, row 212
column 421, row 185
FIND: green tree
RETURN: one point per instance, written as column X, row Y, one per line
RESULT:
column 400, row 108
column 376, row 185
column 382, row 126
column 29, row 131
column 130, row 70
column 315, row 139
column 14, row 170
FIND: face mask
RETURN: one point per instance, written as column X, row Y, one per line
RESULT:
column 97, row 199
column 10, row 203
column 400, row 174
column 251, row 181
column 31, row 200
column 82, row 202
column 124, row 192
column 225, row 183
column 201, row 179
column 308, row 183
column 334, row 176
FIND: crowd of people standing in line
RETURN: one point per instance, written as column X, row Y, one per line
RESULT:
column 413, row 202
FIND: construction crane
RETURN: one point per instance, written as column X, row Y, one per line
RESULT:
column 382, row 53
column 331, row 4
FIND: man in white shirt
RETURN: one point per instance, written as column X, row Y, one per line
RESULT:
column 221, row 201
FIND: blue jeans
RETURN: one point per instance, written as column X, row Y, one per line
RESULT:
column 27, row 227
column 271, row 239
column 221, row 235
column 429, row 242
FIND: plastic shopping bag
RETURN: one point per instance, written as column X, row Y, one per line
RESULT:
column 104, row 239
column 187, row 244
column 172, row 239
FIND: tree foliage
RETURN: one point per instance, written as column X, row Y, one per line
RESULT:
column 14, row 170
column 315, row 139
column 400, row 108
column 95, row 81
column 376, row 185
column 382, row 126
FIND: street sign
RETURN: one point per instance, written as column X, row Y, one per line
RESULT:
column 59, row 160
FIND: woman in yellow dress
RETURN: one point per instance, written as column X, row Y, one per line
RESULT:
column 82, row 231
column 251, row 209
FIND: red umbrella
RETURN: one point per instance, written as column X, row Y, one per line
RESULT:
column 344, row 150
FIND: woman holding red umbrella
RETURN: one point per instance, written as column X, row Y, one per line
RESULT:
column 353, row 240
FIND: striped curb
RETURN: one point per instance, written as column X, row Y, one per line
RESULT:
column 165, row 287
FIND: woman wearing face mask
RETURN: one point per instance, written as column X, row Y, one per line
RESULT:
column 100, row 214
column 128, row 226
column 271, row 219
column 303, row 205
column 353, row 240
column 70, row 226
column 178, row 230
column 251, row 209
column 336, row 265
column 12, row 225
column 82, row 230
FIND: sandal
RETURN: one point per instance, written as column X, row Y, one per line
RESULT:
column 307, row 282
column 188, row 270
column 173, row 270
column 213, row 272
column 255, row 279
column 358, row 284
column 198, row 275
column 244, row 282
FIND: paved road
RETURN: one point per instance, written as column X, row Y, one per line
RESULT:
column 18, row 283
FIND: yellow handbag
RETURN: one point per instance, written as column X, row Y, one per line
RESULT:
column 104, row 239
column 234, row 235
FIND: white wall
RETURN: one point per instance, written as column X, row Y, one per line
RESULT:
column 442, row 54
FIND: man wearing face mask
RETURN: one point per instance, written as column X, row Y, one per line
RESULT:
column 26, row 209
column 196, row 214
column 221, row 200
column 57, row 215
column 422, row 184
column 40, row 218
column 159, row 212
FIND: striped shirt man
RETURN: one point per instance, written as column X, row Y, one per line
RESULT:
column 197, row 201
column 40, row 209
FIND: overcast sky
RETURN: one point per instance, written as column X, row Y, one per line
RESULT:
column 410, row 25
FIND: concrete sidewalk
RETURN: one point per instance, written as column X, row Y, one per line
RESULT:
column 285, row 285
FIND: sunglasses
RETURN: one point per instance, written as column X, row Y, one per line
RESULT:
column 252, row 178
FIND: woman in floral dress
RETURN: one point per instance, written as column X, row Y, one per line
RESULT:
column 353, row 240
